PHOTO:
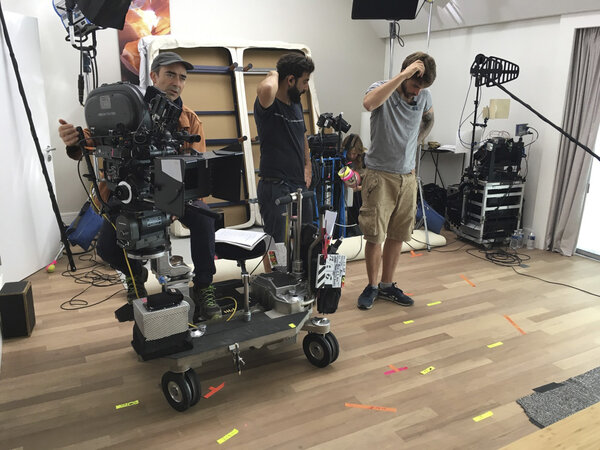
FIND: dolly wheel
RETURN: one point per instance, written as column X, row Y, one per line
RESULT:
column 335, row 346
column 317, row 349
column 192, row 379
column 177, row 390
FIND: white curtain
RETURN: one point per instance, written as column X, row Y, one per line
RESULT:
column 581, row 119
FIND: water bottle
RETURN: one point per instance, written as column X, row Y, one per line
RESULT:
column 514, row 240
column 531, row 241
column 520, row 238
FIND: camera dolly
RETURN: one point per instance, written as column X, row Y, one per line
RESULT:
column 277, row 306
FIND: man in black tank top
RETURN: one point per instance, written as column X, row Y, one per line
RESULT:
column 285, row 162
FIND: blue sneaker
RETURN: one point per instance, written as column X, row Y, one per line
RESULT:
column 394, row 294
column 367, row 298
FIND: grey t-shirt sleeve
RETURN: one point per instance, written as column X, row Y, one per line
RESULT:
column 374, row 86
column 428, row 102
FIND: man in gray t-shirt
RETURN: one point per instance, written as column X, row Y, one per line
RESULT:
column 401, row 118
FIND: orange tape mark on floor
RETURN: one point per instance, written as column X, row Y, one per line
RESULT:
column 376, row 408
column 214, row 390
column 514, row 325
column 467, row 280
column 414, row 255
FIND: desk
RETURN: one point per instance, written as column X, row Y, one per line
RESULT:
column 435, row 157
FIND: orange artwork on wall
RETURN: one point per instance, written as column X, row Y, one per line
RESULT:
column 144, row 18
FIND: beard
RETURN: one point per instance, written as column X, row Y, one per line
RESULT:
column 406, row 94
column 294, row 94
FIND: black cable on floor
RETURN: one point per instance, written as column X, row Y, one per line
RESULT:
column 557, row 283
column 501, row 257
column 511, row 259
column 92, row 276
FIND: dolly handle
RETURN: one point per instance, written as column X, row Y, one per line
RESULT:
column 289, row 198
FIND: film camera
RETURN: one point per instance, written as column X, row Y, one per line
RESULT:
column 136, row 138
column 328, row 145
column 328, row 120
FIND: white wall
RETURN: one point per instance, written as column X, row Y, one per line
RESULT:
column 348, row 57
column 542, row 49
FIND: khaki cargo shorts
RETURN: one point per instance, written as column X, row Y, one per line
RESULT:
column 389, row 204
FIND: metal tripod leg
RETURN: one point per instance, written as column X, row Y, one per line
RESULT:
column 421, row 200
column 423, row 212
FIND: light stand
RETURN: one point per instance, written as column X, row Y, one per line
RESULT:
column 474, row 123
column 393, row 25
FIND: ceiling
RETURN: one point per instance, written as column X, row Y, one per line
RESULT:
column 450, row 14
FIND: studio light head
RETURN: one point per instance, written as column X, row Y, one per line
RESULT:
column 81, row 19
column 89, row 15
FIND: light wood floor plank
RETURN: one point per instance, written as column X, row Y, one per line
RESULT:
column 59, row 388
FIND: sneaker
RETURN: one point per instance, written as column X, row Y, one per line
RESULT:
column 367, row 298
column 204, row 299
column 139, row 279
column 394, row 294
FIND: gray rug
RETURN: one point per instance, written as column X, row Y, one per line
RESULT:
column 555, row 401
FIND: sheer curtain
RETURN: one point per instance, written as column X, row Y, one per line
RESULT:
column 581, row 119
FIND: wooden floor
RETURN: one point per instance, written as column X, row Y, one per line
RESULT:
column 60, row 387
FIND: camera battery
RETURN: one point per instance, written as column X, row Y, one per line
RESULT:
column 160, row 323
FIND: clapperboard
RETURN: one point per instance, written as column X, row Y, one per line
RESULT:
column 331, row 271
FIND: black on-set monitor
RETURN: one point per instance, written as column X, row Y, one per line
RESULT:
column 384, row 9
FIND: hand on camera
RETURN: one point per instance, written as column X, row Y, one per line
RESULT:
column 68, row 133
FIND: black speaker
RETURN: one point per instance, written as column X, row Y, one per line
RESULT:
column 16, row 309
column 384, row 9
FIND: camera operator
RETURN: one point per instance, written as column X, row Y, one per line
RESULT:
column 285, row 163
column 168, row 73
column 401, row 117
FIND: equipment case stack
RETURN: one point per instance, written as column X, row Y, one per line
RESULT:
column 492, row 211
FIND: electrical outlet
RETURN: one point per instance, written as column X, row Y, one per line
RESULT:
column 521, row 129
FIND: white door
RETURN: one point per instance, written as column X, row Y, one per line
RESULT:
column 29, row 234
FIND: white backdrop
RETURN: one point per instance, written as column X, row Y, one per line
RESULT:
column 29, row 234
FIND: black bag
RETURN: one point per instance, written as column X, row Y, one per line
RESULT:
column 436, row 197
column 160, row 347
column 328, row 299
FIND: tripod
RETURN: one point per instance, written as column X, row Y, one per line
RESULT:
column 421, row 201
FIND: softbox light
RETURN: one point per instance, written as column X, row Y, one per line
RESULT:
column 384, row 9
column 105, row 13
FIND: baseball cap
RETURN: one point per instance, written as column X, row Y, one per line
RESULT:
column 166, row 58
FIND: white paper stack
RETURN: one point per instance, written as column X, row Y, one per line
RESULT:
column 242, row 238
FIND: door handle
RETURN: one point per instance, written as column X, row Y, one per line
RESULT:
column 49, row 151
